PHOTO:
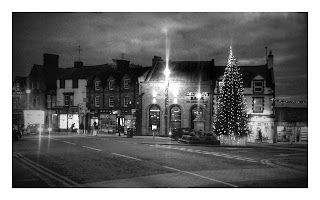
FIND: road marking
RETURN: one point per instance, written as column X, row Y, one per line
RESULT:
column 126, row 156
column 92, row 148
column 47, row 172
column 215, row 180
column 290, row 154
column 69, row 142
column 209, row 153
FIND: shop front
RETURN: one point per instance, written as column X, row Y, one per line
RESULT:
column 261, row 128
column 68, row 119
column 116, row 121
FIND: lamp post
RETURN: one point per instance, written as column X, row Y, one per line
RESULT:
column 28, row 93
column 166, row 98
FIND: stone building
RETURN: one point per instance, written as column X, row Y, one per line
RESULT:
column 176, row 104
column 72, row 94
column 113, row 98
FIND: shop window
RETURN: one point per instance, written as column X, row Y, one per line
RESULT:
column 75, row 83
column 126, row 84
column 111, row 85
column 257, row 86
column 257, row 104
column 111, row 101
column 126, row 101
column 175, row 117
column 97, row 101
column 154, row 118
column 68, row 99
column 97, row 85
column 38, row 85
column 62, row 83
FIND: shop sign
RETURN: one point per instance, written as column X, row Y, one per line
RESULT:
column 69, row 116
column 204, row 94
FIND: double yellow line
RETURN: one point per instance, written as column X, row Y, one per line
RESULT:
column 46, row 174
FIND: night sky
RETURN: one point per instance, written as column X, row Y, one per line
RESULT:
column 192, row 36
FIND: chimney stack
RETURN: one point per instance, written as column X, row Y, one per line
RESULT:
column 155, row 60
column 122, row 65
column 78, row 64
column 50, row 60
column 270, row 60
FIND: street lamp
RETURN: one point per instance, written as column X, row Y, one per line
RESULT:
column 166, row 100
column 28, row 92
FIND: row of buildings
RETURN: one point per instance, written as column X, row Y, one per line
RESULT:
column 124, row 96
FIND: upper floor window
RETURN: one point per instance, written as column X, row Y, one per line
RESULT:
column 38, row 85
column 126, row 84
column 258, row 86
column 126, row 102
column 111, row 85
column 68, row 99
column 111, row 101
column 97, row 101
column 32, row 86
column 75, row 83
column 62, row 83
column 18, row 86
column 97, row 85
column 258, row 104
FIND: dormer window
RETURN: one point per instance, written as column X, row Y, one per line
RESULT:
column 111, row 85
column 126, row 84
column 97, row 85
column 258, row 86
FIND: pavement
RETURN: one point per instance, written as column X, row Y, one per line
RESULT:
column 299, row 146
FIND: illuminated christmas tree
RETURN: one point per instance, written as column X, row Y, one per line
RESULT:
column 231, row 112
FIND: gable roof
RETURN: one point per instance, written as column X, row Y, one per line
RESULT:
column 248, row 73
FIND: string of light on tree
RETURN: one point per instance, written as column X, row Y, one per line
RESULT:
column 231, row 109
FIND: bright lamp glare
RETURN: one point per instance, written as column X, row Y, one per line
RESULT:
column 49, row 129
column 40, row 129
column 170, row 133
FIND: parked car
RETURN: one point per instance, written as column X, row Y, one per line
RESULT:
column 36, row 129
column 179, row 132
column 16, row 134
column 206, row 138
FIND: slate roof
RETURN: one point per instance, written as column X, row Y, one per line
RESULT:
column 182, row 71
column 248, row 73
column 84, row 72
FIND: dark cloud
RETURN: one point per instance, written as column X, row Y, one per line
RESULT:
column 192, row 36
